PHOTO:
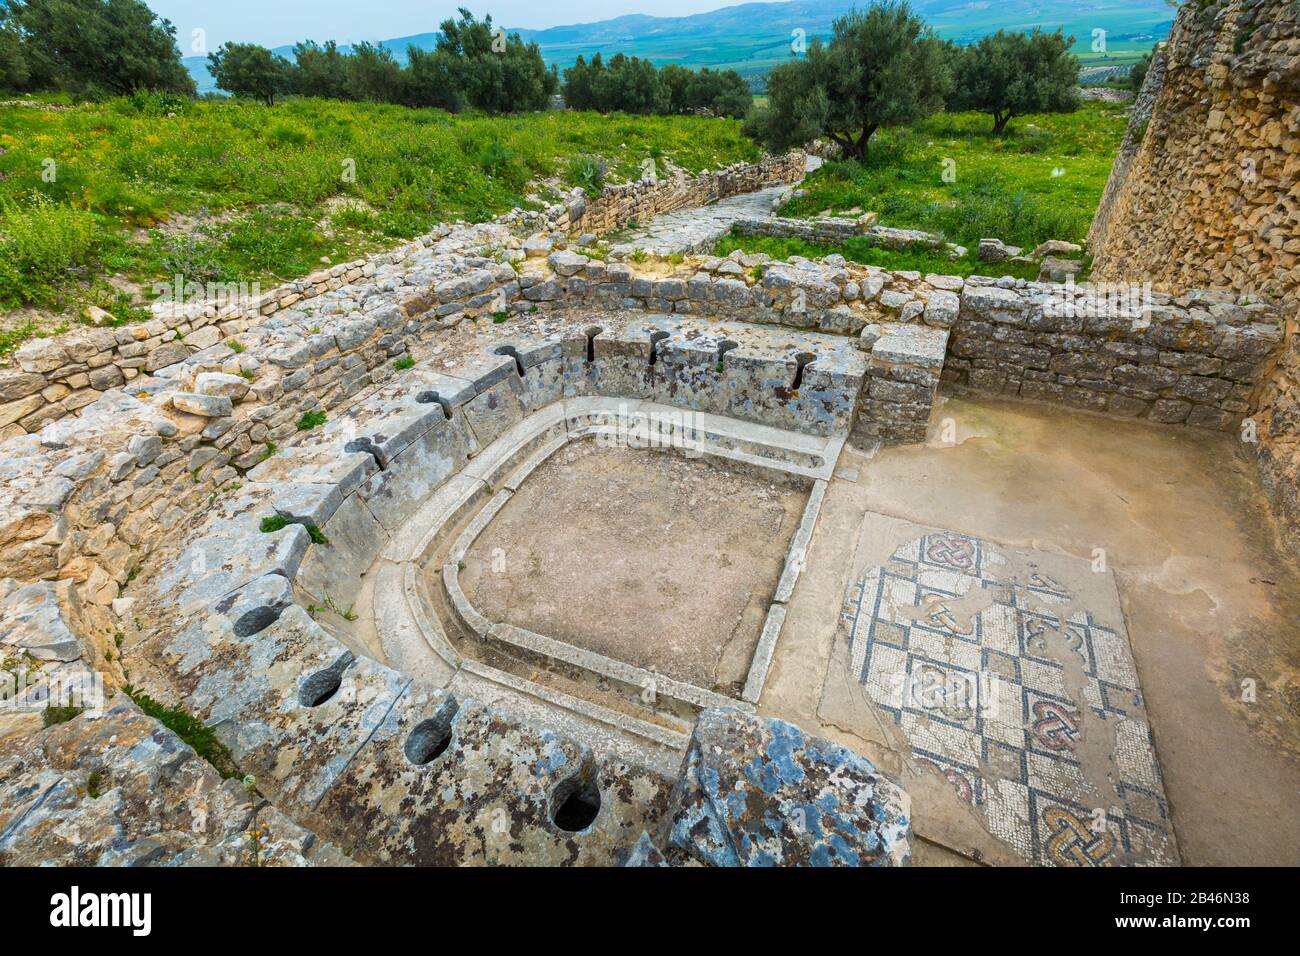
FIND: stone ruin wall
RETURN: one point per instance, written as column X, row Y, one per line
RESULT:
column 1207, row 194
column 617, row 206
column 1209, row 199
column 60, row 376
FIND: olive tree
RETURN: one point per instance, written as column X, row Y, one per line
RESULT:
column 1011, row 74
column 882, row 67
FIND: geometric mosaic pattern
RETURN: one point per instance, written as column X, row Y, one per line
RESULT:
column 1024, row 701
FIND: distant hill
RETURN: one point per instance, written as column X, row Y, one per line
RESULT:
column 753, row 37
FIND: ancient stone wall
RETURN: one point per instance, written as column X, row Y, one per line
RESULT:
column 1195, row 359
column 58, row 376
column 1209, row 200
column 833, row 230
column 617, row 206
column 1205, row 193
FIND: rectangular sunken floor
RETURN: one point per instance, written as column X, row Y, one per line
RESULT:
column 651, row 558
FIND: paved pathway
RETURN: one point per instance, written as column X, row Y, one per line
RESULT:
column 695, row 229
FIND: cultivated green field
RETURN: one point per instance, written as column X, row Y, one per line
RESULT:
column 143, row 190
column 1042, row 179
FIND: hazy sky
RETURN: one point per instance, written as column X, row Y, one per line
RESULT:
column 277, row 22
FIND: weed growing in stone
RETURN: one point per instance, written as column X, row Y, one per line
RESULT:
column 190, row 729
column 59, row 714
column 278, row 522
column 310, row 420
column 405, row 362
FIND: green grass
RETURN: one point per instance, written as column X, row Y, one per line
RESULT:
column 278, row 522
column 258, row 182
column 190, row 729
column 1042, row 179
column 917, row 259
column 56, row 714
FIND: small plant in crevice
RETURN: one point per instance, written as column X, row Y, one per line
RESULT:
column 499, row 317
column 235, row 346
column 405, row 362
column 257, row 831
column 273, row 523
column 95, row 784
column 310, row 420
column 190, row 729
column 278, row 522
column 55, row 714
column 347, row 614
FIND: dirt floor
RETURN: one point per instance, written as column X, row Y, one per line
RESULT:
column 654, row 559
column 1210, row 600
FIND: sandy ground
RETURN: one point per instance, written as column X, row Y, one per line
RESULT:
column 1211, row 599
column 651, row 558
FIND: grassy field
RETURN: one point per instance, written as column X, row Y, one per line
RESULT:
column 140, row 191
column 1042, row 179
column 98, row 202
column 861, row 250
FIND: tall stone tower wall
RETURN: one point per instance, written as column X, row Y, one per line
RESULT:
column 1206, row 194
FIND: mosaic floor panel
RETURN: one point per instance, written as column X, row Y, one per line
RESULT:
column 1023, row 697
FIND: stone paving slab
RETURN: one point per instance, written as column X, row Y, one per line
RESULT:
column 1010, row 674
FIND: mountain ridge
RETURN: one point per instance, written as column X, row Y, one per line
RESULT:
column 754, row 37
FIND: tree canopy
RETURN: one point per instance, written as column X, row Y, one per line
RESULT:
column 882, row 67
column 246, row 69
column 633, row 85
column 493, row 72
column 89, row 46
column 1010, row 74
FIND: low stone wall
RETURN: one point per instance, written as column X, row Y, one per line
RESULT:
column 59, row 376
column 641, row 201
column 1195, row 359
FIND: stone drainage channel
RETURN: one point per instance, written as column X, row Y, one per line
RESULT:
column 418, row 593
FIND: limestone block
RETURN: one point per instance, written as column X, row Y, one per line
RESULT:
column 755, row 791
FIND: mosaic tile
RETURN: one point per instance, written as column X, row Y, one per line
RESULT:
column 1027, row 703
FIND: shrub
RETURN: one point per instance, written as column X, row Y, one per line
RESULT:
column 38, row 242
column 589, row 173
